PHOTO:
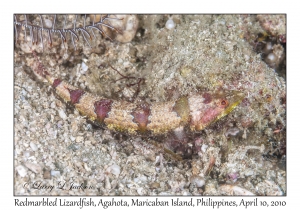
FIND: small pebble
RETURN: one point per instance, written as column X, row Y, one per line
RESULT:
column 233, row 176
column 86, row 167
column 48, row 23
column 62, row 114
column 87, row 143
column 140, row 191
column 53, row 105
column 47, row 175
column 154, row 185
column 269, row 46
column 129, row 26
column 115, row 169
column 33, row 167
column 107, row 183
column 33, row 146
column 248, row 172
column 170, row 24
column 232, row 131
column 198, row 181
column 55, row 173
column 27, row 154
column 204, row 147
column 271, row 57
column 84, row 67
column 79, row 139
column 21, row 170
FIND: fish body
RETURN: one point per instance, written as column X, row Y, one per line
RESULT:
column 195, row 111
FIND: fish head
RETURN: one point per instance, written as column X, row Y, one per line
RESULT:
column 208, row 108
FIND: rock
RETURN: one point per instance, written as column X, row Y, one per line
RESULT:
column 198, row 181
column 86, row 167
column 33, row 146
column 107, row 183
column 154, row 185
column 84, row 67
column 79, row 139
column 62, row 114
column 115, row 169
column 33, row 167
column 274, row 24
column 55, row 173
column 47, row 174
column 127, row 26
column 21, row 170
column 28, row 154
column 204, row 147
column 232, row 131
column 141, row 191
column 170, row 24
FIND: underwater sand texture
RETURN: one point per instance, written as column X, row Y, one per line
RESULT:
column 243, row 150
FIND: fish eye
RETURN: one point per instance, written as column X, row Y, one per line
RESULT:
column 223, row 103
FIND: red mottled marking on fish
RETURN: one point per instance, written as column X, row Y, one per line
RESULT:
column 102, row 109
column 141, row 116
column 75, row 95
column 56, row 83
column 207, row 98
column 209, row 114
